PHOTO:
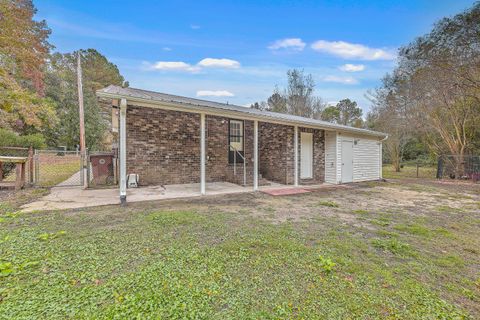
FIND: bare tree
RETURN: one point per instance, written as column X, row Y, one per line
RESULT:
column 435, row 90
column 297, row 99
column 277, row 102
column 389, row 114
column 443, row 69
column 299, row 95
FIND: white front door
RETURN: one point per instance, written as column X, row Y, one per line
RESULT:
column 347, row 161
column 306, row 155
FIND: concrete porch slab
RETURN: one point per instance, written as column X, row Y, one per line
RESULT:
column 61, row 198
column 75, row 197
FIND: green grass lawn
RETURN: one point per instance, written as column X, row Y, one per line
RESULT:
column 409, row 171
column 384, row 250
column 52, row 174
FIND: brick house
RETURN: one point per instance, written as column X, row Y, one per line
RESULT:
column 168, row 139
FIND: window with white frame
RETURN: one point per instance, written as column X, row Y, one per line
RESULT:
column 235, row 141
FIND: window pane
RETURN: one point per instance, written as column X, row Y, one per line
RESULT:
column 237, row 144
column 236, row 134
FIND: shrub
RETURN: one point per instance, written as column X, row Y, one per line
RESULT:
column 11, row 139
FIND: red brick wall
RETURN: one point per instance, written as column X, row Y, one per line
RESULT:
column 275, row 144
column 218, row 168
column 163, row 147
column 277, row 153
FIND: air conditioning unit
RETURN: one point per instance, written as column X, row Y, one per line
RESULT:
column 132, row 180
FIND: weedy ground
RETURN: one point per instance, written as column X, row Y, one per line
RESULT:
column 405, row 249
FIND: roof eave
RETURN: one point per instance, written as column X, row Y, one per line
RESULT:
column 215, row 111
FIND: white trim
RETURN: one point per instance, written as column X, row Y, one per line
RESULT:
column 295, row 150
column 202, row 154
column 255, row 155
column 123, row 151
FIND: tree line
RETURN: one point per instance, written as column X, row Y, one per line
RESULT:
column 429, row 105
column 38, row 87
column 433, row 94
column 298, row 99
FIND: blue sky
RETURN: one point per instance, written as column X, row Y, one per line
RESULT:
column 237, row 51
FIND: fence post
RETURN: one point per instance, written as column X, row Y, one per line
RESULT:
column 88, row 168
column 440, row 167
column 83, row 168
column 37, row 169
column 30, row 165
column 417, row 169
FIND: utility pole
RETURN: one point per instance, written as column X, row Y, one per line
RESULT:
column 83, row 153
column 80, row 104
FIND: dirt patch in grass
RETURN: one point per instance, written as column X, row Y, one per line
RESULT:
column 11, row 200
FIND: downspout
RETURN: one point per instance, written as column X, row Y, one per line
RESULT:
column 123, row 152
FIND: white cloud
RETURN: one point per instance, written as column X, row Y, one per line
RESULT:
column 218, row 63
column 174, row 66
column 352, row 67
column 167, row 49
column 352, row 50
column 332, row 103
column 336, row 79
column 183, row 66
column 195, row 26
column 218, row 93
column 295, row 44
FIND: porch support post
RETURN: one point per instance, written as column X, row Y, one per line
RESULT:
column 295, row 157
column 202, row 154
column 123, row 152
column 255, row 155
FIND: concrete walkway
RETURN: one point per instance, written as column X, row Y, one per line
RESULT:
column 76, row 197
column 74, row 179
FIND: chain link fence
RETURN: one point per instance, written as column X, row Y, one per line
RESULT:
column 59, row 168
column 7, row 169
column 459, row 167
column 452, row 167
column 420, row 168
